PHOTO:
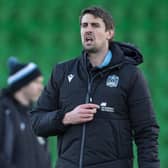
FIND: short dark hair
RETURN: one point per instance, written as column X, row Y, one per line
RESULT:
column 100, row 13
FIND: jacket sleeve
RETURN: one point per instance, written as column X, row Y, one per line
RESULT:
column 4, row 162
column 143, row 122
column 47, row 116
column 1, row 130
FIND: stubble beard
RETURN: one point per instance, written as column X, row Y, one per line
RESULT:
column 90, row 50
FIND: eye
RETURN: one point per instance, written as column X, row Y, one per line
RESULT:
column 96, row 25
column 84, row 25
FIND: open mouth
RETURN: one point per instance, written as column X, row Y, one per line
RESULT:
column 89, row 39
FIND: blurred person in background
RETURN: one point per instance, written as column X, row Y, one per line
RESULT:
column 98, row 103
column 19, row 147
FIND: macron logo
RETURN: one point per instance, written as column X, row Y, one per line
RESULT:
column 70, row 77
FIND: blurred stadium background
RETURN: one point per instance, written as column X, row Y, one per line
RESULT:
column 47, row 32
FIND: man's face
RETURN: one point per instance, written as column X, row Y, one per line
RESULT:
column 33, row 90
column 94, row 35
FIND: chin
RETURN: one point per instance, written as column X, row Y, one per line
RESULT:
column 90, row 50
column 34, row 99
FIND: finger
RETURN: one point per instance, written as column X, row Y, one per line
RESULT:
column 83, row 120
column 88, row 119
column 89, row 105
column 88, row 111
column 87, row 116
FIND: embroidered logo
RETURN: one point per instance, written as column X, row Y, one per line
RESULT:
column 112, row 81
column 105, row 108
column 70, row 77
column 22, row 126
column 41, row 140
column 103, row 104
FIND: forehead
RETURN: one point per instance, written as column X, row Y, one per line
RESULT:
column 89, row 18
column 38, row 79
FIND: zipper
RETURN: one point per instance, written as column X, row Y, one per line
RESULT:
column 82, row 145
column 84, row 125
column 88, row 100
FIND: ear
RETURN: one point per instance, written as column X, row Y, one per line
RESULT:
column 110, row 34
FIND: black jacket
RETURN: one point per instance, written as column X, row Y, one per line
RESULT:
column 126, row 112
column 19, row 147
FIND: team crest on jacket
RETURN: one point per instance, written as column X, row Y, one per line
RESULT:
column 112, row 81
column 70, row 77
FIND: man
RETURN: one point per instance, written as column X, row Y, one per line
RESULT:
column 19, row 147
column 98, row 103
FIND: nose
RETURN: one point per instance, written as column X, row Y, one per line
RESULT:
column 89, row 28
column 41, row 87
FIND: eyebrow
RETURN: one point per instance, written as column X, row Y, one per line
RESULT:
column 92, row 23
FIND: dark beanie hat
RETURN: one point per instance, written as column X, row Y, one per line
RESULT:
column 21, row 74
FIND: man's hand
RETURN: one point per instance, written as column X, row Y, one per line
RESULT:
column 81, row 114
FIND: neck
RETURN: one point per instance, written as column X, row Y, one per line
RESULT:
column 21, row 98
column 97, row 58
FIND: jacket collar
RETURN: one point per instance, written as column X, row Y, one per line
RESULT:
column 122, row 53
